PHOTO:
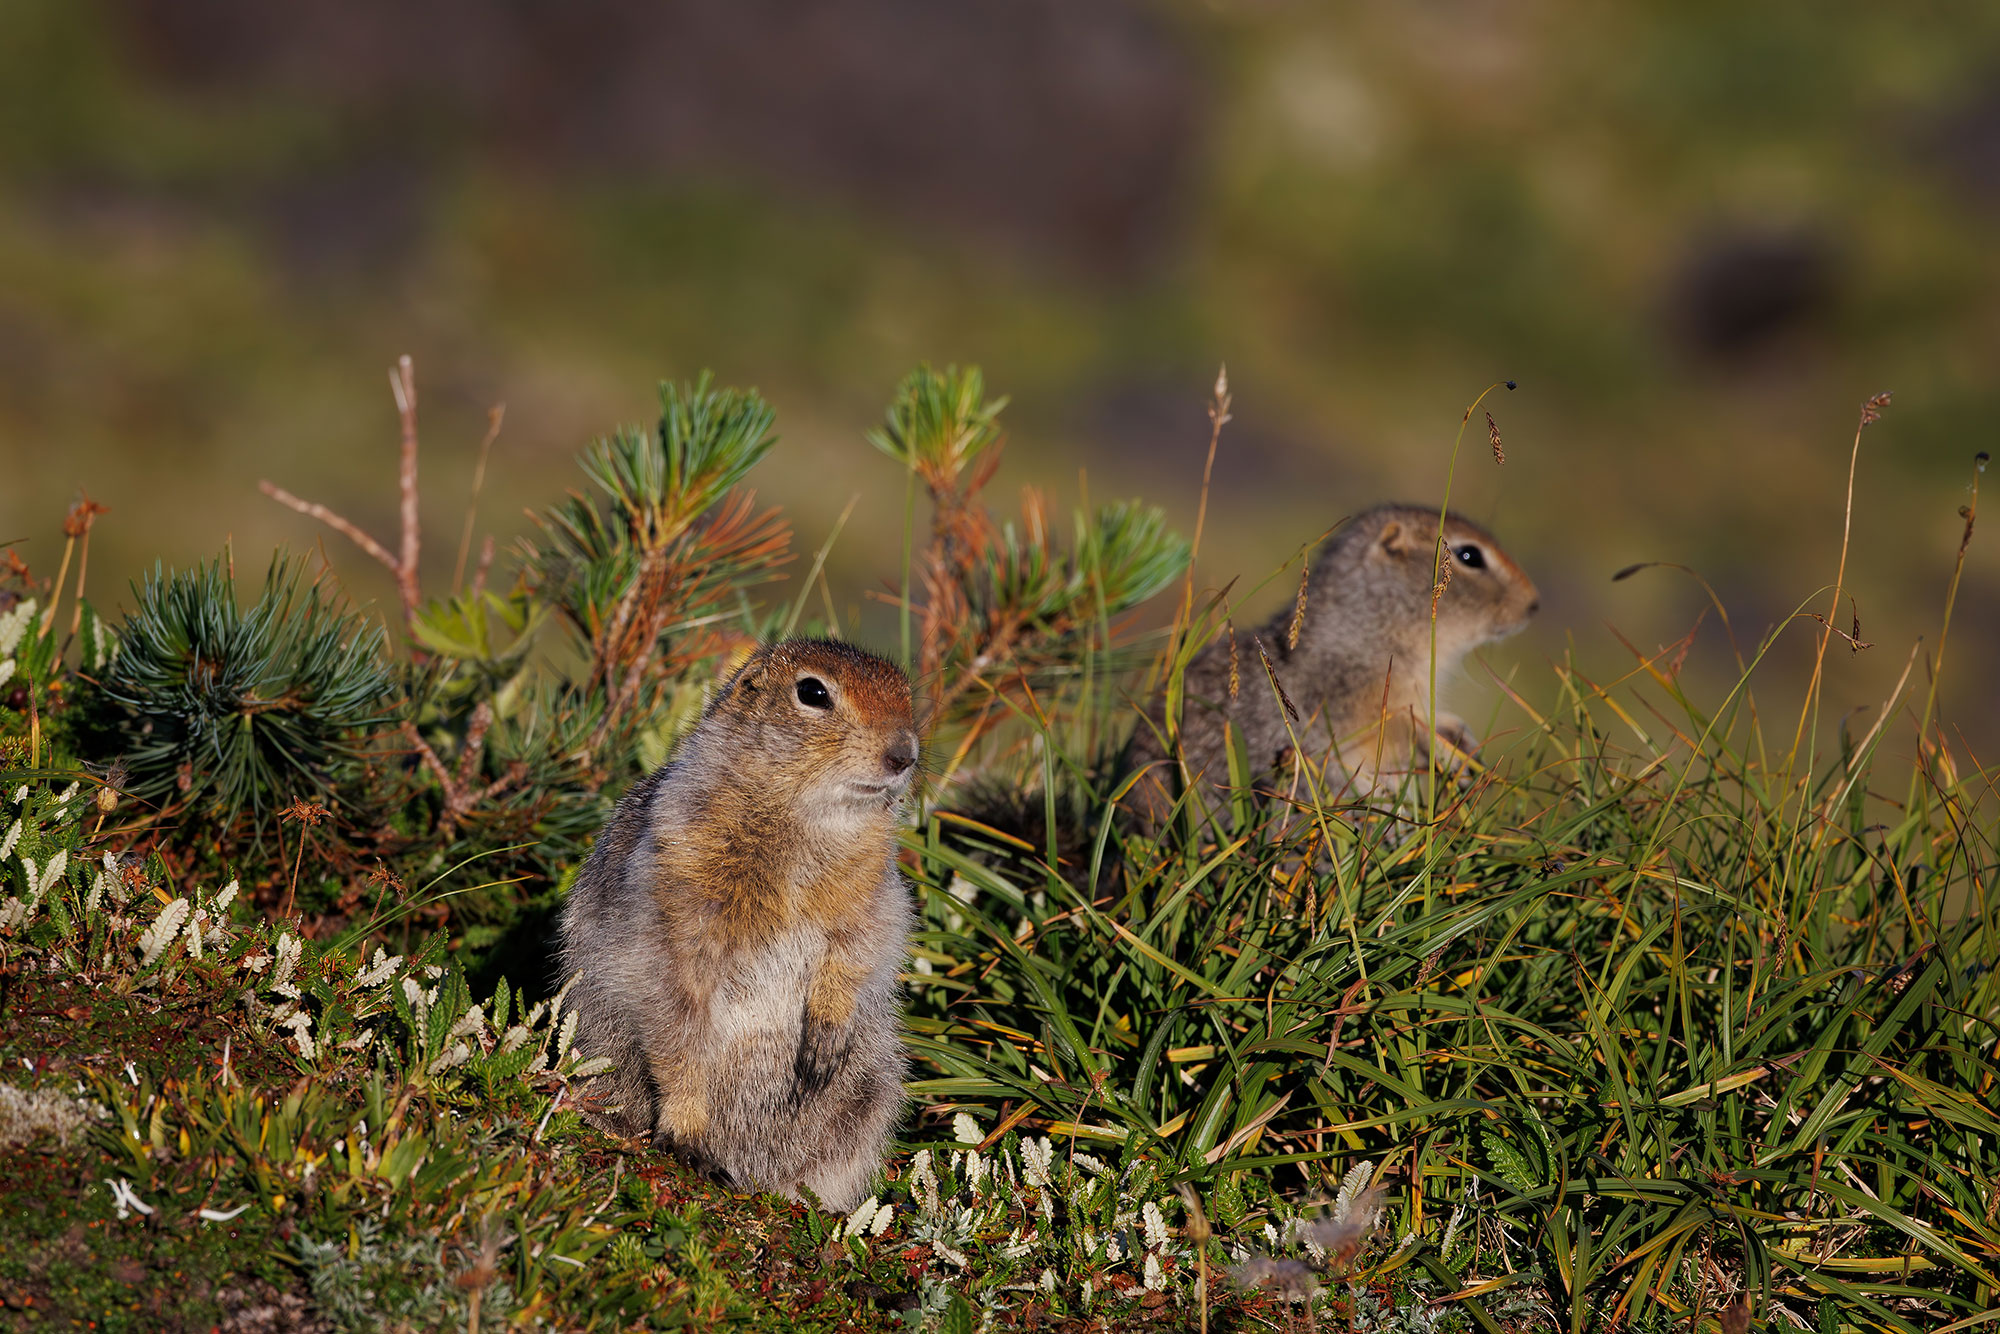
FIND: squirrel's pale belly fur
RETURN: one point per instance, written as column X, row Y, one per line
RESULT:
column 736, row 942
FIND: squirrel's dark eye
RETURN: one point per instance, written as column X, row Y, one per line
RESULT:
column 813, row 693
column 1471, row 557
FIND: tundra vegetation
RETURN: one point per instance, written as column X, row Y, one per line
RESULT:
column 1667, row 1013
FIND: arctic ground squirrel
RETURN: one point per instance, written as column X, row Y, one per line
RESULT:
column 1360, row 675
column 737, row 931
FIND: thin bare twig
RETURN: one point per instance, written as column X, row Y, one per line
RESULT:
column 403, row 383
column 485, row 564
column 314, row 510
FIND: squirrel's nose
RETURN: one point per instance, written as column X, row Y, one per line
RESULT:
column 901, row 755
column 1534, row 606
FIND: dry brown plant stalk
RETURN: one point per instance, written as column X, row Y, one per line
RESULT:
column 403, row 563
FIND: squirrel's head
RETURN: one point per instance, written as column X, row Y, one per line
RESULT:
column 1389, row 559
column 819, row 721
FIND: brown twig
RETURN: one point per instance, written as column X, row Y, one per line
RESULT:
column 460, row 796
column 403, row 383
column 485, row 564
column 314, row 510
column 403, row 565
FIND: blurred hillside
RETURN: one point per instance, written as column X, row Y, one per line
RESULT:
column 1698, row 235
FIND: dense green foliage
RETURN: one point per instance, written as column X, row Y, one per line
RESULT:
column 231, row 710
column 1659, row 1016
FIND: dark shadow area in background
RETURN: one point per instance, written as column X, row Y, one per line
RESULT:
column 1065, row 127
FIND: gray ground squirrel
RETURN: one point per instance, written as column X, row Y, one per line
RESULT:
column 739, row 926
column 1361, row 674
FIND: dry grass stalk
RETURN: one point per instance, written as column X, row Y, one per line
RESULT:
column 495, row 415
column 1218, row 416
column 1871, row 412
column 403, row 564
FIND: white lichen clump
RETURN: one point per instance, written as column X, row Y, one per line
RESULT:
column 28, row 1114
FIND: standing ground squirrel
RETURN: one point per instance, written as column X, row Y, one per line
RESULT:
column 737, row 931
column 1360, row 675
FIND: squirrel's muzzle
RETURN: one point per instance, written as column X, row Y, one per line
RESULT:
column 901, row 756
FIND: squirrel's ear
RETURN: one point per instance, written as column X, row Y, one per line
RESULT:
column 1396, row 539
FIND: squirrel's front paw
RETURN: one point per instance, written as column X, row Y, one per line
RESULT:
column 823, row 1049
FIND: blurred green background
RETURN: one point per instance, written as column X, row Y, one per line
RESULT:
column 1697, row 234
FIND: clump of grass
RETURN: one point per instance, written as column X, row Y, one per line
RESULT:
column 1656, row 1013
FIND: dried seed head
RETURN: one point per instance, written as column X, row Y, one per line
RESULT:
column 1430, row 966
column 303, row 811
column 82, row 513
column 1298, row 608
column 1437, row 590
column 1871, row 411
column 1291, row 709
column 1235, row 680
column 1493, row 434
column 1218, row 405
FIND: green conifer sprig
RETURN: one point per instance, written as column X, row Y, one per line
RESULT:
column 940, row 424
column 666, row 542
column 236, row 711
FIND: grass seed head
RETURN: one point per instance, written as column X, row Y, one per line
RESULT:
column 1298, row 608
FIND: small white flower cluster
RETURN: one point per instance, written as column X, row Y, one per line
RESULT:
column 961, row 1196
column 13, row 626
column 313, row 1008
column 108, row 885
column 871, row 1218
column 206, row 922
column 40, row 877
column 290, row 1012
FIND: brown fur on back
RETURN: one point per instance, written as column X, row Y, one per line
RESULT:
column 737, row 932
column 1360, row 675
